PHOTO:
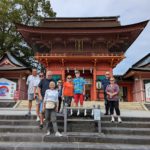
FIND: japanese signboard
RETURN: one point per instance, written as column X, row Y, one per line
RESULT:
column 7, row 89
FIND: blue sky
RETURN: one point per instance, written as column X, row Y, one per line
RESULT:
column 130, row 11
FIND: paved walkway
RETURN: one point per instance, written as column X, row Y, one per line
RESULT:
column 131, row 109
column 124, row 112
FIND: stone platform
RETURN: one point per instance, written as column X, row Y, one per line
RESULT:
column 23, row 104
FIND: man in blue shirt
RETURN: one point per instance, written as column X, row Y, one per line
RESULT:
column 105, row 83
column 79, row 89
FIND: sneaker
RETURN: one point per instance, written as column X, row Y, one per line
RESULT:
column 112, row 119
column 119, row 120
column 85, row 112
column 58, row 134
column 48, row 133
column 37, row 119
column 41, row 126
column 78, row 113
column 71, row 112
column 106, row 114
column 28, row 114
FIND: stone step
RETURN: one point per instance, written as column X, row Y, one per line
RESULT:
column 60, row 117
column 40, row 137
column 69, row 146
column 73, row 128
column 127, row 124
column 127, row 131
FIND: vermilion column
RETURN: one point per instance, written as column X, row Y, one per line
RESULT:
column 63, row 70
column 63, row 74
column 94, row 84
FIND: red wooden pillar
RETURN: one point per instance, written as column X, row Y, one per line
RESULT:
column 63, row 74
column 94, row 82
column 63, row 71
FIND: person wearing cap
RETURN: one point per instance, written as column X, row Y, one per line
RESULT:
column 79, row 89
column 105, row 83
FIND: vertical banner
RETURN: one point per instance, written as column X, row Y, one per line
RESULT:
column 7, row 89
column 147, row 91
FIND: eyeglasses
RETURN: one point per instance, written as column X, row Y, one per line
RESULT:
column 41, row 76
column 112, row 80
column 69, row 78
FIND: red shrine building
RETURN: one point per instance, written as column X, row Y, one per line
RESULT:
column 92, row 45
column 13, row 74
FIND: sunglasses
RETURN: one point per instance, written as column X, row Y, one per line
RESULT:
column 41, row 76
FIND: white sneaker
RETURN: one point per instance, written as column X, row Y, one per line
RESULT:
column 119, row 120
column 78, row 113
column 92, row 113
column 37, row 119
column 48, row 133
column 85, row 112
column 112, row 119
column 71, row 112
column 58, row 134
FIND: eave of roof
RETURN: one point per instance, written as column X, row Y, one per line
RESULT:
column 21, row 27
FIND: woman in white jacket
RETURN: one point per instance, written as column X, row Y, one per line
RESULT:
column 51, row 108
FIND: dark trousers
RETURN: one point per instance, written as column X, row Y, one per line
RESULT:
column 59, row 105
column 107, row 104
column 67, row 101
column 114, row 105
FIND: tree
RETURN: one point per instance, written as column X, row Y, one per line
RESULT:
column 28, row 12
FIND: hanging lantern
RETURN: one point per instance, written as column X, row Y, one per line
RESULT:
column 83, row 70
column 68, row 69
column 91, row 70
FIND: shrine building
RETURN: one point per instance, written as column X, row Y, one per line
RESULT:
column 92, row 45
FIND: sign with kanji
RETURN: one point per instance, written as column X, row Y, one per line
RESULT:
column 7, row 89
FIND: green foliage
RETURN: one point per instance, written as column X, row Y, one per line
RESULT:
column 28, row 12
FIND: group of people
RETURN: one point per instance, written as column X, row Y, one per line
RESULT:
column 111, row 96
column 50, row 95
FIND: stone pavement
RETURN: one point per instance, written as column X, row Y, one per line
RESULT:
column 128, row 109
column 124, row 112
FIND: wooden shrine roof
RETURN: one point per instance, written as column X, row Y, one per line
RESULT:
column 143, row 65
column 118, row 38
column 82, row 22
column 10, row 63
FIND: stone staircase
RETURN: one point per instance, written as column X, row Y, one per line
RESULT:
column 21, row 133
